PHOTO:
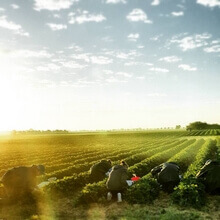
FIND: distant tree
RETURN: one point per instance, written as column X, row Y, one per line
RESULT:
column 198, row 125
column 178, row 126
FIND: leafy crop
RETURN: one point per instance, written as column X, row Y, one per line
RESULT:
column 144, row 191
column 190, row 192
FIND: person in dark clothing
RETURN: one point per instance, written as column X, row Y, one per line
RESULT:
column 117, row 181
column 210, row 176
column 100, row 170
column 20, row 181
column 167, row 175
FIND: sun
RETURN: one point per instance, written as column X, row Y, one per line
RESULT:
column 9, row 90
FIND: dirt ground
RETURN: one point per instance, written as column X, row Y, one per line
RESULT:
column 46, row 208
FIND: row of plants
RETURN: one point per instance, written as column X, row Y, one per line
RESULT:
column 143, row 191
column 209, row 132
column 191, row 191
column 159, row 157
column 116, row 155
column 75, row 181
column 187, row 155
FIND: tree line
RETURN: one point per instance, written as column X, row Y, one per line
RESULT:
column 198, row 125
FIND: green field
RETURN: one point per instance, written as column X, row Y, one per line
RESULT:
column 69, row 157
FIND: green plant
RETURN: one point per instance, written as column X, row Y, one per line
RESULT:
column 143, row 191
column 95, row 192
column 189, row 193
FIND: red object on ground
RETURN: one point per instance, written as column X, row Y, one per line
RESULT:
column 135, row 178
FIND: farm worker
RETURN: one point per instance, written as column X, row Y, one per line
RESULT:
column 116, row 182
column 20, row 181
column 100, row 170
column 167, row 175
column 210, row 176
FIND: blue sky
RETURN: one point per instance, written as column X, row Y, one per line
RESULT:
column 102, row 64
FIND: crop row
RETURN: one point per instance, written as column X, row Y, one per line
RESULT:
column 113, row 155
column 209, row 132
column 75, row 181
column 146, row 165
column 207, row 151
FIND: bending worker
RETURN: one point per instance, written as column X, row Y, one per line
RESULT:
column 210, row 176
column 20, row 181
column 116, row 182
column 100, row 170
column 167, row 175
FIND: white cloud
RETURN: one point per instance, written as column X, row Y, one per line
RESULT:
column 132, row 63
column 107, row 39
column 161, row 70
column 135, row 63
column 48, row 67
column 140, row 77
column 2, row 9
column 149, row 64
column 75, row 48
column 83, row 16
column 192, row 42
column 209, row 3
column 108, row 72
column 100, row 60
column 123, row 55
column 157, row 95
column 14, row 6
column 53, row 5
column 57, row 16
column 56, row 27
column 72, row 65
column 170, row 59
column 16, row 28
column 83, row 56
column 215, row 42
column 133, row 37
column 187, row 67
column 156, row 38
column 177, row 14
column 128, row 75
column 138, row 15
column 212, row 49
column 113, row 79
column 155, row 2
column 115, row 1
column 31, row 53
column 129, row 55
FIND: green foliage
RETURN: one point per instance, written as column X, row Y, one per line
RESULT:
column 161, row 155
column 68, row 185
column 95, row 192
column 186, row 156
column 207, row 151
column 190, row 192
column 198, row 125
column 144, row 191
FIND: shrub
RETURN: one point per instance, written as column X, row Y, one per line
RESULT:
column 95, row 192
column 68, row 185
column 143, row 191
column 190, row 192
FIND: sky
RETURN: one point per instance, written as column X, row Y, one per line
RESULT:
column 108, row 64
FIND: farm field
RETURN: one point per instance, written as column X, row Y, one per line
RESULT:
column 68, row 157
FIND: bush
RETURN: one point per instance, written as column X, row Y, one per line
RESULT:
column 68, row 185
column 190, row 192
column 95, row 192
column 143, row 191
